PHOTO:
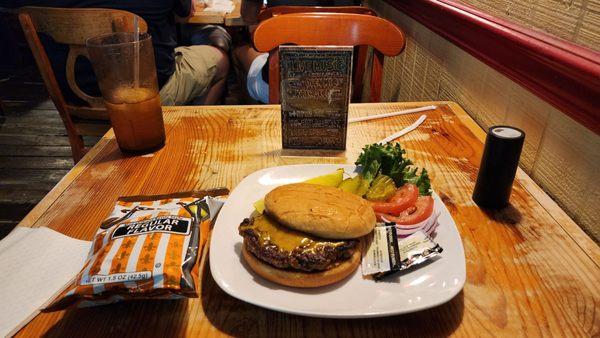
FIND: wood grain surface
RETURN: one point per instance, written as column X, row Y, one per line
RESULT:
column 432, row 68
column 34, row 147
column 530, row 270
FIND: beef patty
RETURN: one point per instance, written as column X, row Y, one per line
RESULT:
column 285, row 248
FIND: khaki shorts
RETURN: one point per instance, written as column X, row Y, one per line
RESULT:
column 195, row 69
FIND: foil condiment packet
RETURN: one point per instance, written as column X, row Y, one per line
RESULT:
column 385, row 254
column 382, row 253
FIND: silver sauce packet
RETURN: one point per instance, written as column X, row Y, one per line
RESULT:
column 385, row 254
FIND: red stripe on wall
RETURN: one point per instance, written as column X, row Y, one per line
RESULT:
column 562, row 73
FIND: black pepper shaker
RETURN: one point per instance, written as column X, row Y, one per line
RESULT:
column 498, row 168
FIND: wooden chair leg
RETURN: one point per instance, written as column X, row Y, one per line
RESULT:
column 359, row 71
column 77, row 147
column 376, row 76
column 274, row 76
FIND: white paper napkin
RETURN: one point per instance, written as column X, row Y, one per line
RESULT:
column 35, row 265
column 225, row 6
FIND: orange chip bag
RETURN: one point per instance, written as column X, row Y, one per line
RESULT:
column 149, row 247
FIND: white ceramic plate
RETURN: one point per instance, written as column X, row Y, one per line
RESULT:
column 354, row 297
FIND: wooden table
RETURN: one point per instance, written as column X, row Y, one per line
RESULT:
column 202, row 17
column 530, row 269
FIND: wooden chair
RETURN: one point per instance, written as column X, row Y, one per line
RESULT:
column 360, row 52
column 341, row 29
column 270, row 12
column 72, row 27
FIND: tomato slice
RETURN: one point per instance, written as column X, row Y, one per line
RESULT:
column 417, row 213
column 404, row 197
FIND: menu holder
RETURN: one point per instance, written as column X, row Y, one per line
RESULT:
column 315, row 94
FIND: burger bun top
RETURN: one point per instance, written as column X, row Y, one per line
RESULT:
column 323, row 211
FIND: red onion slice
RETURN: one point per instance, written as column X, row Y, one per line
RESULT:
column 428, row 226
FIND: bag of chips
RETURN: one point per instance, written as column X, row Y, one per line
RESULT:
column 149, row 247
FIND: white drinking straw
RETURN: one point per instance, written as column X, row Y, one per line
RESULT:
column 136, row 51
column 402, row 112
column 404, row 131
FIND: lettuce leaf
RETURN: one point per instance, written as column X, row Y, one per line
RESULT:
column 421, row 181
column 389, row 160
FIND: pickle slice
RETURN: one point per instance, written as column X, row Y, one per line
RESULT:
column 331, row 180
column 350, row 184
column 363, row 187
column 356, row 185
column 259, row 205
column 381, row 189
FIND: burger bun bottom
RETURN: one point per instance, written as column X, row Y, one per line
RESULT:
column 302, row 279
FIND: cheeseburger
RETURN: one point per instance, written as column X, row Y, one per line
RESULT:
column 308, row 236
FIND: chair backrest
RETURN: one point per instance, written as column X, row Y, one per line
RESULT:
column 328, row 29
column 72, row 27
column 270, row 12
column 360, row 52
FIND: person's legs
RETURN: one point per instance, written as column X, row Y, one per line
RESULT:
column 215, row 93
column 212, row 35
column 242, row 61
column 200, row 75
column 249, row 63
column 244, row 55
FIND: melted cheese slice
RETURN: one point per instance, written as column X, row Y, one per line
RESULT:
column 271, row 232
